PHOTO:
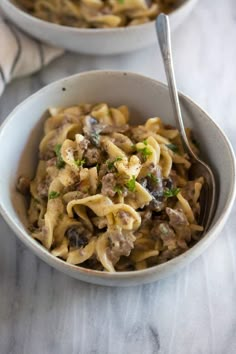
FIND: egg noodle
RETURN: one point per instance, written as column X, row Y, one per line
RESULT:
column 111, row 196
column 97, row 13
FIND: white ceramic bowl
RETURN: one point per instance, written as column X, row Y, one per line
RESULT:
column 22, row 130
column 93, row 41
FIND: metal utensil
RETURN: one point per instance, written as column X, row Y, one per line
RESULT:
column 198, row 168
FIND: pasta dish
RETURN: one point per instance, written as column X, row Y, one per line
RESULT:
column 111, row 196
column 97, row 13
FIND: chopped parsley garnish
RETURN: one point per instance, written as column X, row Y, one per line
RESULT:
column 110, row 164
column 168, row 193
column 173, row 147
column 79, row 163
column 131, row 184
column 145, row 152
column 145, row 142
column 154, row 178
column 60, row 162
column 53, row 195
column 118, row 190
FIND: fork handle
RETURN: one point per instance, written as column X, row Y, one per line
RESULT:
column 163, row 34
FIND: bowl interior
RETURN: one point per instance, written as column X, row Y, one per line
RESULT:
column 21, row 133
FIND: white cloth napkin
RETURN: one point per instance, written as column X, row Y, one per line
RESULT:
column 21, row 55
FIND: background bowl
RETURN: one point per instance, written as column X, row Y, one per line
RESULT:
column 21, row 133
column 93, row 41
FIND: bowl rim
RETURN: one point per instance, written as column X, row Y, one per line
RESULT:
column 52, row 260
column 61, row 28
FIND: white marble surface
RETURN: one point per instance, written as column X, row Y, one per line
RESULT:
column 45, row 312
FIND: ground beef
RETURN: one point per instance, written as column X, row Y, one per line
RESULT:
column 103, row 169
column 121, row 244
column 48, row 154
column 124, row 216
column 92, row 156
column 108, row 185
column 23, row 185
column 139, row 133
column 43, row 187
column 163, row 231
column 179, row 223
column 146, row 216
column 169, row 254
column 188, row 191
column 177, row 217
column 51, row 162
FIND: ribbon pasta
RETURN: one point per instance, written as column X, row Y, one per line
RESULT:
column 111, row 196
column 97, row 13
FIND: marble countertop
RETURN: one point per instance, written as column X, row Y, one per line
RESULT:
column 45, row 312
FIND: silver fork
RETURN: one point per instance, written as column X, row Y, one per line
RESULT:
column 198, row 168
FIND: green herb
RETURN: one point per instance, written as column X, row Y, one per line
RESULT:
column 60, row 162
column 145, row 152
column 154, row 178
column 168, row 193
column 110, row 164
column 121, row 1
column 173, row 147
column 53, row 195
column 131, row 184
column 118, row 190
column 79, row 163
column 145, row 142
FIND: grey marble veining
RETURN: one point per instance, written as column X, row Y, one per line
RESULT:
column 193, row 312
